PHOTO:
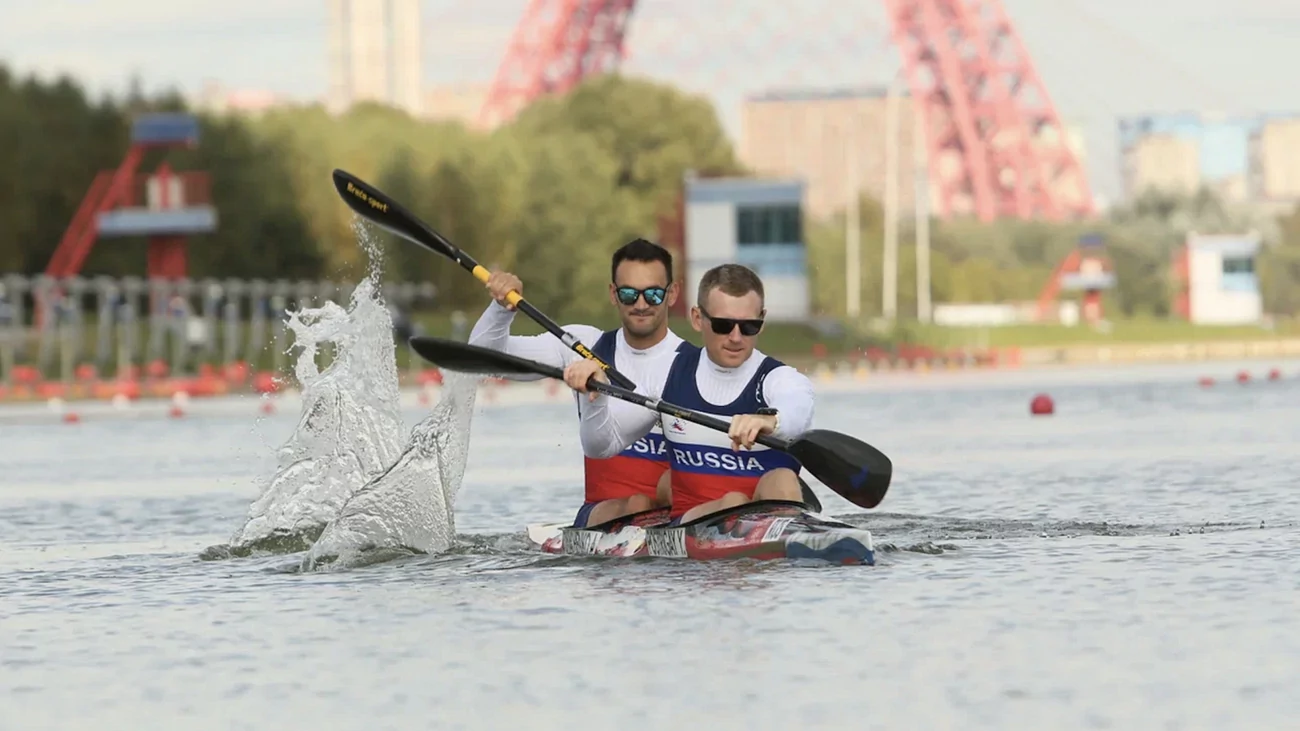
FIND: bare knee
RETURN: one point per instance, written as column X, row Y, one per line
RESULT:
column 607, row 510
column 664, row 490
column 637, row 504
column 779, row 484
column 732, row 499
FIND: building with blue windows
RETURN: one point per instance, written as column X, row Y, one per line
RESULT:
column 1216, row 280
column 756, row 222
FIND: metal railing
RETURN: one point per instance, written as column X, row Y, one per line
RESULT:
column 118, row 324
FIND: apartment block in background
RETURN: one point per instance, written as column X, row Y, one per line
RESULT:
column 216, row 98
column 1163, row 162
column 375, row 54
column 815, row 136
column 1275, row 162
column 455, row 102
column 1253, row 160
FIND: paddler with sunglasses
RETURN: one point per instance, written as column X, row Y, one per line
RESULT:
column 728, row 378
column 633, row 479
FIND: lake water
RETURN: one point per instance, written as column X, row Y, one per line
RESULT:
column 1127, row 563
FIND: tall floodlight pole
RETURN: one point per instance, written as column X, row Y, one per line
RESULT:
column 889, row 289
column 921, row 158
column 853, row 232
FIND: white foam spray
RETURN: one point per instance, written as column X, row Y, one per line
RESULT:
column 411, row 507
column 350, row 429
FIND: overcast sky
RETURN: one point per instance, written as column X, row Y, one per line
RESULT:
column 1100, row 59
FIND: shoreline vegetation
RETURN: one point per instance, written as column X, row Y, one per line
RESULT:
column 552, row 193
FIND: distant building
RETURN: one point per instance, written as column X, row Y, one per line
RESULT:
column 754, row 222
column 1163, row 162
column 1216, row 280
column 1275, row 161
column 1252, row 160
column 458, row 102
column 822, row 136
column 218, row 99
column 375, row 53
column 815, row 134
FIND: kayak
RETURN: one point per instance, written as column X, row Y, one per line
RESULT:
column 764, row 530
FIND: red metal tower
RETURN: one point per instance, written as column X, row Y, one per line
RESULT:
column 173, row 205
column 1085, row 269
column 997, row 146
column 556, row 45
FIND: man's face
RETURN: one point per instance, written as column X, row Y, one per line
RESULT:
column 732, row 348
column 642, row 317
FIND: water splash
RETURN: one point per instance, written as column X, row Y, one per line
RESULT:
column 410, row 508
column 349, row 489
column 350, row 430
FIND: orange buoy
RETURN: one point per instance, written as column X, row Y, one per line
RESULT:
column 1243, row 377
column 71, row 418
column 1042, row 405
column 1274, row 375
column 1206, row 381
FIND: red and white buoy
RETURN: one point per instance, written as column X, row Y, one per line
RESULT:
column 60, row 409
column 179, row 400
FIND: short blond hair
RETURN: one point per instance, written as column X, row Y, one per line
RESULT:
column 736, row 280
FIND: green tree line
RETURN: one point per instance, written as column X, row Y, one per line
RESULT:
column 549, row 195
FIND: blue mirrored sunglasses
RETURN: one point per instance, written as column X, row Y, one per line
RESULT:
column 629, row 295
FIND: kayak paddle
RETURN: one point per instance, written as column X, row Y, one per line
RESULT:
column 373, row 205
column 855, row 470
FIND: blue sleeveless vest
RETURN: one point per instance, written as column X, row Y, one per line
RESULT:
column 634, row 471
column 704, row 465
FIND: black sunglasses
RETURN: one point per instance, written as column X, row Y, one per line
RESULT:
column 724, row 325
column 629, row 295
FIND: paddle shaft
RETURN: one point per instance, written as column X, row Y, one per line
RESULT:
column 376, row 207
column 481, row 273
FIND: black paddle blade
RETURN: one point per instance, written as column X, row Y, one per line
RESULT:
column 809, row 497
column 373, row 205
column 465, row 358
column 859, row 472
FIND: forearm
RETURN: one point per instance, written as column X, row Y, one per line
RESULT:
column 492, row 331
column 791, row 394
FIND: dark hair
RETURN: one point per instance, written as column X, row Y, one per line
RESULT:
column 641, row 250
column 733, row 279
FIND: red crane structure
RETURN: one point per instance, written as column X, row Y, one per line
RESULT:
column 997, row 147
column 165, row 206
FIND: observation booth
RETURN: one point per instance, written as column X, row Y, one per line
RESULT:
column 1215, row 279
column 756, row 222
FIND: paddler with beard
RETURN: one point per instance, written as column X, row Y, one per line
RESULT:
column 728, row 378
column 633, row 479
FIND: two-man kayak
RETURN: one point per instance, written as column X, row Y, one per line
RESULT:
column 763, row 530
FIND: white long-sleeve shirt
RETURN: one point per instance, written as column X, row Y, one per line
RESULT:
column 608, row 429
column 493, row 331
